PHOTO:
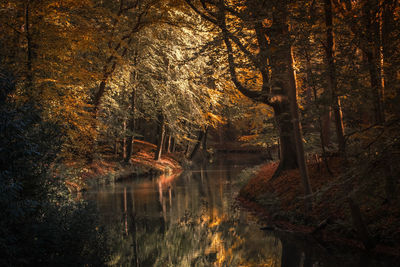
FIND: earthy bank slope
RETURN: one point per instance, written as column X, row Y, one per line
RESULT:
column 279, row 205
column 111, row 168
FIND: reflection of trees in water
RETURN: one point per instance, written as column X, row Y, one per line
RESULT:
column 192, row 226
column 190, row 222
column 195, row 240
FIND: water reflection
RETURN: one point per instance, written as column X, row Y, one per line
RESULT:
column 189, row 220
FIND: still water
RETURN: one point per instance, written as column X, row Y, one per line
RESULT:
column 192, row 219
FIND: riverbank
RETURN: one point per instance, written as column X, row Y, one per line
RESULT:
column 111, row 168
column 278, row 204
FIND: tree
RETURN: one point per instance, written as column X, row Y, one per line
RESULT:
column 121, row 38
column 332, row 82
column 273, row 63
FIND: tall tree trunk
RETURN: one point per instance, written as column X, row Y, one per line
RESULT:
column 110, row 66
column 287, row 149
column 129, row 147
column 173, row 145
column 287, row 155
column 337, row 111
column 131, row 121
column 124, row 140
column 323, row 133
column 169, row 143
column 161, row 132
column 279, row 149
column 283, row 79
column 373, row 57
column 332, row 81
column 187, row 148
column 165, row 142
column 187, row 143
column 279, row 102
column 29, row 52
column 324, row 125
column 284, row 86
column 197, row 145
column 116, row 143
column 298, row 134
column 204, row 144
column 131, row 127
column 166, row 139
column 390, row 43
column 376, row 87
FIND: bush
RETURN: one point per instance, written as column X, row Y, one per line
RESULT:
column 40, row 224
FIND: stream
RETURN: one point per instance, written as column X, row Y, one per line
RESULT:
column 192, row 219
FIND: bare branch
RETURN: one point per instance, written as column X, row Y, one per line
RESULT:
column 204, row 16
column 254, row 95
column 234, row 38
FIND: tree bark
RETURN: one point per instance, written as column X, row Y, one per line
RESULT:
column 29, row 53
column 278, row 99
column 169, row 140
column 173, row 145
column 332, row 81
column 390, row 42
column 287, row 150
column 187, row 148
column 160, row 141
column 165, row 142
column 131, row 121
column 376, row 87
column 130, row 139
column 116, row 148
column 284, row 82
column 323, row 124
column 204, row 144
column 298, row 134
column 124, row 141
column 373, row 57
column 197, row 145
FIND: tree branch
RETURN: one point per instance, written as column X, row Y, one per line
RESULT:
column 234, row 38
column 204, row 5
column 254, row 95
column 204, row 16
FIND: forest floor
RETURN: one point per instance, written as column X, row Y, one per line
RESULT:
column 279, row 205
column 111, row 168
